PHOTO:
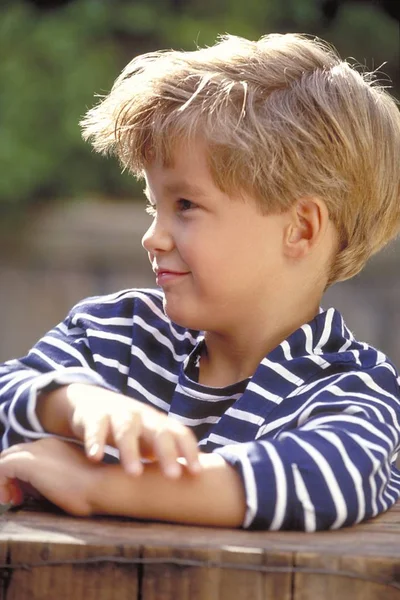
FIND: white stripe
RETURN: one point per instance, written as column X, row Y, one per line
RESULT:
column 327, row 331
column 113, row 298
column 377, row 465
column 326, row 420
column 335, row 440
column 310, row 522
column 367, row 379
column 249, row 483
column 70, row 350
column 203, row 396
column 287, row 418
column 356, row 354
column 14, row 379
column 286, row 350
column 309, row 339
column 179, row 336
column 219, row 439
column 151, row 366
column 118, row 321
column 11, row 364
column 389, row 367
column 327, row 474
column 392, row 498
column 31, row 408
column 351, row 407
column 166, row 342
column 135, row 385
column 282, row 371
column 3, row 417
column 318, row 360
column 301, row 390
column 153, row 306
column 339, row 392
column 381, row 359
column 346, row 345
column 193, row 422
column 348, row 333
column 14, row 424
column 254, row 387
column 244, row 415
column 280, row 486
column 68, row 331
column 46, row 359
column 111, row 362
column 309, row 386
column 107, row 335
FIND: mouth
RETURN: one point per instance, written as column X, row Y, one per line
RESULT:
column 165, row 276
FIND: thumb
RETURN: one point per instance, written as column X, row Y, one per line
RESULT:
column 10, row 492
column 11, row 471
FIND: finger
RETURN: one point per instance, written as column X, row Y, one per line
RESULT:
column 126, row 429
column 188, row 449
column 10, row 490
column 167, row 453
column 95, row 436
column 5, row 491
column 16, row 492
column 13, row 449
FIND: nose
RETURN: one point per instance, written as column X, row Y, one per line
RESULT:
column 157, row 238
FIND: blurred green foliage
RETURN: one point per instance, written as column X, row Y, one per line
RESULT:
column 52, row 63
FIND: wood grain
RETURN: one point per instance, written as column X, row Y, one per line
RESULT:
column 105, row 558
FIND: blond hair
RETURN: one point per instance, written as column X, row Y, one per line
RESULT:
column 283, row 117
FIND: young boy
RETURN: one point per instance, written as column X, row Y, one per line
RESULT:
column 231, row 398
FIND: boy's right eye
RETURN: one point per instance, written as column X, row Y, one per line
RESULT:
column 151, row 209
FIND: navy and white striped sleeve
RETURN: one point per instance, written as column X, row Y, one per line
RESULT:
column 61, row 357
column 333, row 465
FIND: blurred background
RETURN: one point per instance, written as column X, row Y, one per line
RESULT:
column 71, row 223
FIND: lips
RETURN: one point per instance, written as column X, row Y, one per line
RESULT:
column 166, row 276
column 169, row 272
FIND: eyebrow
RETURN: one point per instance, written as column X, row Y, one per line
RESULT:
column 180, row 188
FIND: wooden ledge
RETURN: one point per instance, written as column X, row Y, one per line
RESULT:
column 48, row 555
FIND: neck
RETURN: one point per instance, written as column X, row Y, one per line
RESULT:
column 234, row 356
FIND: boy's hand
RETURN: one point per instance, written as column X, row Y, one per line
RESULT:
column 98, row 416
column 58, row 470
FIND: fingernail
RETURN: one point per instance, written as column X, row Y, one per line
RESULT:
column 135, row 468
column 5, row 507
column 93, row 450
column 172, row 470
column 195, row 467
column 5, row 496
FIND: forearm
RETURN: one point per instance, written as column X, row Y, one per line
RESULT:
column 54, row 409
column 215, row 496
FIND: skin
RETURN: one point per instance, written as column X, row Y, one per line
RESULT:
column 215, row 256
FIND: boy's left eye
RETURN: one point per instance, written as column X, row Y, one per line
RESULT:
column 184, row 205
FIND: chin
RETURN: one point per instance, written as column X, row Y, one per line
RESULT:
column 183, row 318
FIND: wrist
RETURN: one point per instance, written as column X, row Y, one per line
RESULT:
column 54, row 411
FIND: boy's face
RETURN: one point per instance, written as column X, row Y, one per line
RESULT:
column 218, row 260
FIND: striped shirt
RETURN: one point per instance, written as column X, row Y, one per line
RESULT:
column 313, row 433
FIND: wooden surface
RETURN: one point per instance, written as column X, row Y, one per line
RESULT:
column 50, row 556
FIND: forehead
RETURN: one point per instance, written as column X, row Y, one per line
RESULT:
column 187, row 171
column 179, row 188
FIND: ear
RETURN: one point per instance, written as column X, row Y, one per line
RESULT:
column 307, row 223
